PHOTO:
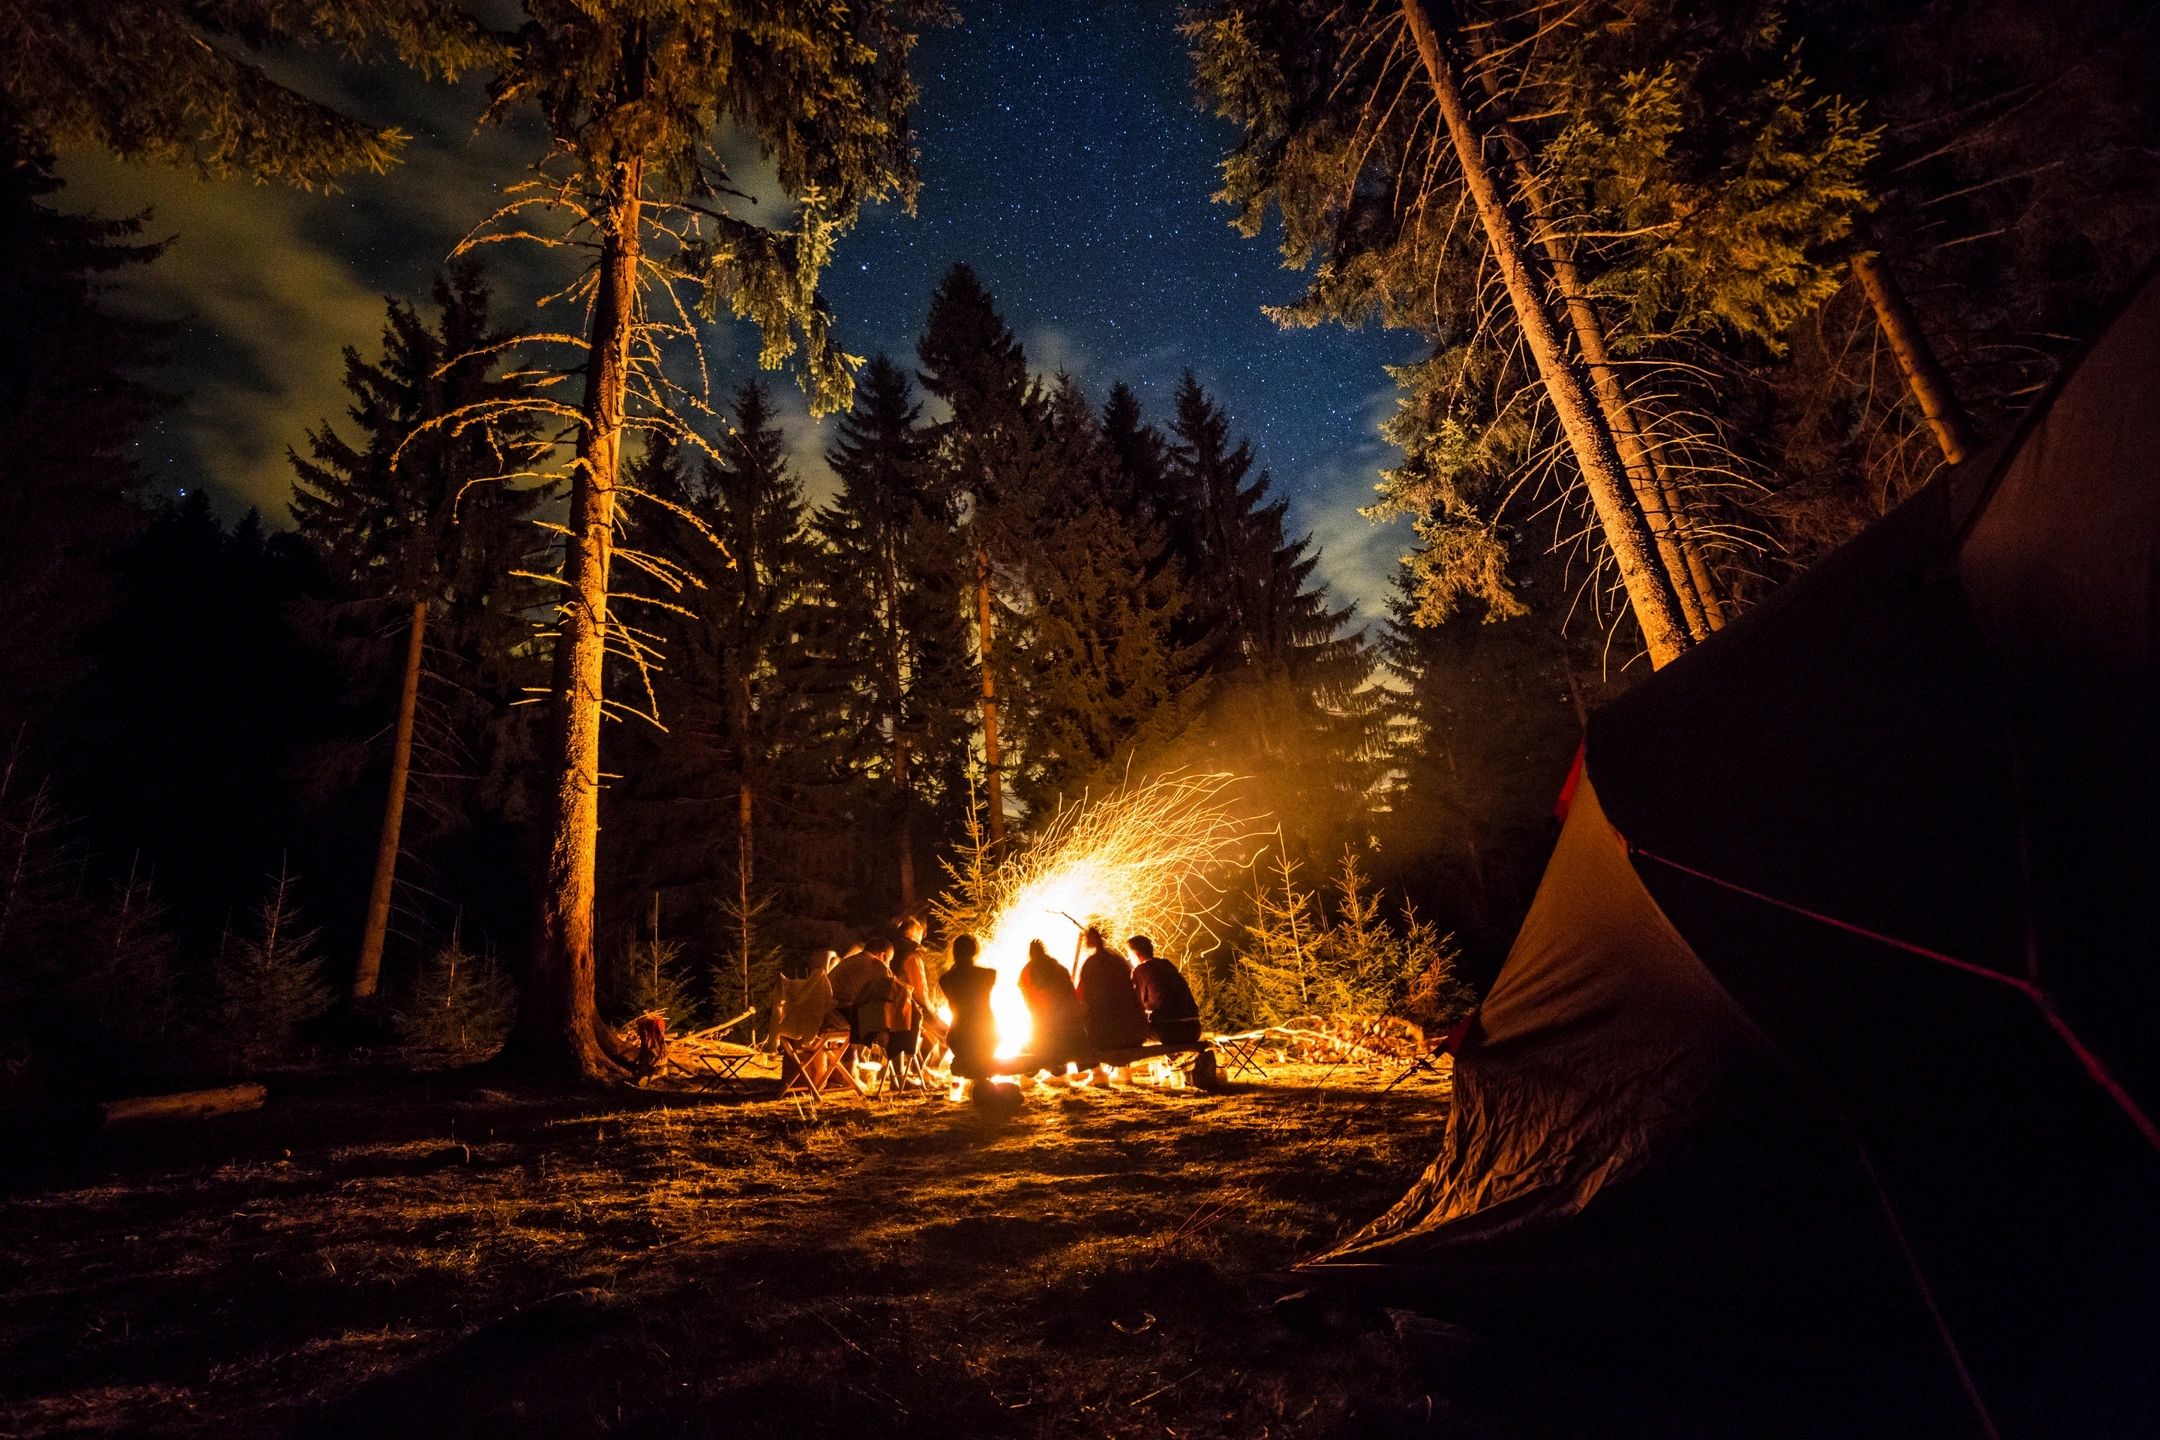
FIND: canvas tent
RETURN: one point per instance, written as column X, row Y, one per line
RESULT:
column 1834, row 1027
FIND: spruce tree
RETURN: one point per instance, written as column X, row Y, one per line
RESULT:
column 1293, row 678
column 424, row 527
column 898, row 627
column 176, row 81
column 741, row 784
column 990, row 454
column 72, row 410
column 1099, row 674
column 265, row 983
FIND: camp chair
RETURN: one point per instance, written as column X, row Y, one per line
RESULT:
column 811, row 1055
column 1242, row 1053
column 884, row 1019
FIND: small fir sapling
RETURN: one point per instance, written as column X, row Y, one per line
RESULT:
column 265, row 985
column 461, row 1003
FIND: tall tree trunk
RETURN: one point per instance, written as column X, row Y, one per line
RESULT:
column 907, row 822
column 1655, row 490
column 1924, row 374
column 558, row 1024
column 1627, row 533
column 896, row 705
column 745, row 809
column 367, row 974
column 989, row 701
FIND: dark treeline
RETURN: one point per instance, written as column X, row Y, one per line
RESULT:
column 216, row 719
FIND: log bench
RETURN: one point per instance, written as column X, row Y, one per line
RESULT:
column 1206, row 1070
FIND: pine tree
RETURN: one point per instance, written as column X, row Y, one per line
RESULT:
column 125, row 997
column 742, row 781
column 898, row 627
column 461, row 1003
column 636, row 98
column 267, row 984
column 1099, row 677
column 425, row 527
column 71, row 412
column 989, row 453
column 1487, row 715
column 175, row 81
column 1293, row 679
column 1738, row 215
column 1280, row 968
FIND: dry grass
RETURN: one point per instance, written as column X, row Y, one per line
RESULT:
column 421, row 1257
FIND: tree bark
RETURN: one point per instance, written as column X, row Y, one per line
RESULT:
column 1654, row 489
column 1924, row 374
column 745, row 811
column 558, row 1023
column 1627, row 532
column 896, row 706
column 989, row 700
column 367, row 974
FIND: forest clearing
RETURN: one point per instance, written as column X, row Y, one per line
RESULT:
column 427, row 1256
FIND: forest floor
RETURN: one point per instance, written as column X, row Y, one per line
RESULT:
column 428, row 1257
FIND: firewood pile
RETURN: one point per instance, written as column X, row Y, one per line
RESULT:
column 1338, row 1039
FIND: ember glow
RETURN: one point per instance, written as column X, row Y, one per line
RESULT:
column 1150, row 857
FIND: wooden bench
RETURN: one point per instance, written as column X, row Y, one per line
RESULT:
column 1206, row 1070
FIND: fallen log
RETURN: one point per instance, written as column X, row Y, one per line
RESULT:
column 186, row 1105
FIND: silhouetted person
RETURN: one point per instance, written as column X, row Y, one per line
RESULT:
column 1060, row 1029
column 1115, row 1020
column 861, row 966
column 1172, row 1012
column 967, row 987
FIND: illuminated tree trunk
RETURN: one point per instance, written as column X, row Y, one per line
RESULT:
column 1655, row 490
column 1924, row 375
column 745, row 809
column 1627, row 533
column 558, row 1026
column 367, row 974
column 989, row 700
column 896, row 706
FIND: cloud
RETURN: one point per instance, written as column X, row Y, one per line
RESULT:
column 267, row 313
column 1051, row 349
column 806, row 441
column 1359, row 557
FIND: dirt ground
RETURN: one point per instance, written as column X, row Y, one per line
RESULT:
column 428, row 1257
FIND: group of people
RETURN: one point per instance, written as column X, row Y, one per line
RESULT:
column 882, row 994
column 1115, row 1004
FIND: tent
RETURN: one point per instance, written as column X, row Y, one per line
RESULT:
column 1831, row 1029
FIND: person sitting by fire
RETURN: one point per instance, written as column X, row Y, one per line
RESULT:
column 862, row 965
column 1058, row 1026
column 910, row 965
column 1115, row 1020
column 967, row 987
column 1173, row 1015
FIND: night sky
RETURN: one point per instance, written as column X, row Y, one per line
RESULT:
column 1062, row 156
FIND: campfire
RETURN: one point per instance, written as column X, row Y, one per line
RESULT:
column 1149, row 856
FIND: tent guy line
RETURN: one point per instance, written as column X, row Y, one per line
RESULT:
column 2094, row 1065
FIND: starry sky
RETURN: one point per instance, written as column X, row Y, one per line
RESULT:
column 1062, row 155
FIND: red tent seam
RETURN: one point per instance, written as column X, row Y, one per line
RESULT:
column 2095, row 1067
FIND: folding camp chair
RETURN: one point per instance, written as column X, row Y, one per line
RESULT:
column 1241, row 1052
column 903, row 1067
column 811, row 1055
